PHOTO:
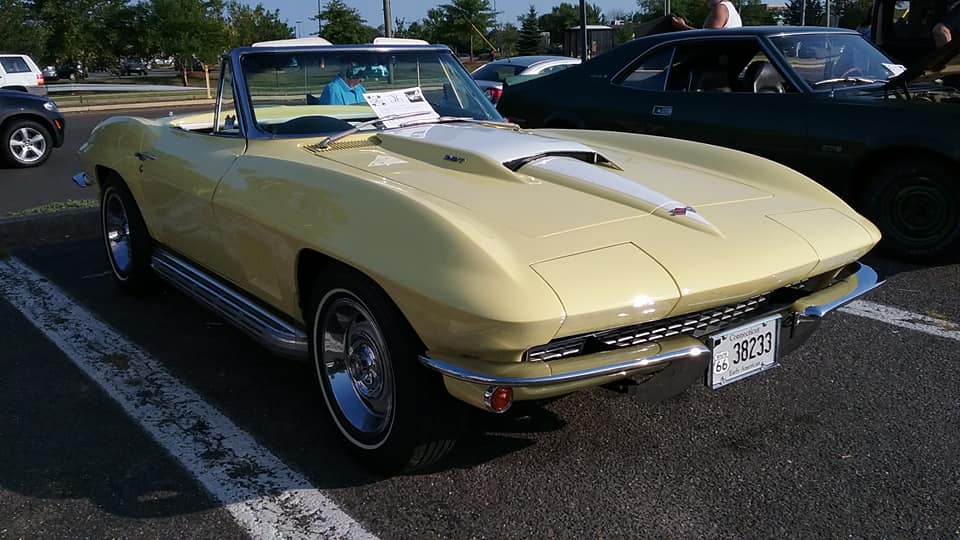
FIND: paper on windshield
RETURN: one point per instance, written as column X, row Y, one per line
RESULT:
column 895, row 69
column 408, row 102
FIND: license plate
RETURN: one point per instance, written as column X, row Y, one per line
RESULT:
column 743, row 351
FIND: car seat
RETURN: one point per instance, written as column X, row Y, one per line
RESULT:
column 762, row 78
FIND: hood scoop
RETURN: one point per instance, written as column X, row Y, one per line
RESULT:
column 479, row 149
column 581, row 176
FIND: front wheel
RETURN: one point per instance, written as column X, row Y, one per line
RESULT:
column 390, row 411
column 916, row 205
column 26, row 144
column 125, row 238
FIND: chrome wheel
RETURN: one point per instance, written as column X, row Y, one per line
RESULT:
column 355, row 370
column 27, row 145
column 116, row 228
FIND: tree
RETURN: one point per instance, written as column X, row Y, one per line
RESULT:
column 247, row 25
column 21, row 31
column 341, row 23
column 187, row 30
column 509, row 37
column 794, row 12
column 694, row 11
column 755, row 13
column 529, row 39
column 463, row 22
column 566, row 16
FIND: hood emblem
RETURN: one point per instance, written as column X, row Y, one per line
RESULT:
column 453, row 158
column 682, row 211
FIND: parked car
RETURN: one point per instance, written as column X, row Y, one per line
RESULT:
column 820, row 100
column 30, row 128
column 129, row 66
column 20, row 72
column 491, row 75
column 74, row 71
column 50, row 73
column 416, row 248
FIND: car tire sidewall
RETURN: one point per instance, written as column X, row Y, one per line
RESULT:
column 880, row 207
column 8, row 134
column 423, row 411
column 139, row 276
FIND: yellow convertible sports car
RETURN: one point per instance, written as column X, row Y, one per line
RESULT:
column 366, row 208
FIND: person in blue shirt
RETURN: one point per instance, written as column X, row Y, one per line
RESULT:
column 345, row 89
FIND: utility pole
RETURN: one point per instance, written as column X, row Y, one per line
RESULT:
column 387, row 29
column 803, row 13
column 583, row 30
column 319, row 21
column 828, row 13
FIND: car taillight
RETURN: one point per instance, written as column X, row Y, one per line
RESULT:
column 493, row 94
column 40, row 79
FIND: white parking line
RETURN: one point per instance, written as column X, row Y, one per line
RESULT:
column 903, row 319
column 267, row 498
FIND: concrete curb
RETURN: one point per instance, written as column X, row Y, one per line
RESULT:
column 43, row 229
column 149, row 105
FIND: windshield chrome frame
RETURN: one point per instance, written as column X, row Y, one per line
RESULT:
column 245, row 101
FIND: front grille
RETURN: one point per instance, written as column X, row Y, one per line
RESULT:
column 695, row 324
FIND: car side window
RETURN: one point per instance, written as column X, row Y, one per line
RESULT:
column 725, row 66
column 553, row 69
column 14, row 64
column 650, row 73
column 227, row 117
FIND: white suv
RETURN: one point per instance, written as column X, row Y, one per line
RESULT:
column 19, row 72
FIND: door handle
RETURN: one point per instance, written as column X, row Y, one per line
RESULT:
column 144, row 156
column 662, row 110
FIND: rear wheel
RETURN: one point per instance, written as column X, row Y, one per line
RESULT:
column 125, row 238
column 916, row 205
column 390, row 411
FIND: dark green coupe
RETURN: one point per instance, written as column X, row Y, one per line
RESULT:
column 823, row 101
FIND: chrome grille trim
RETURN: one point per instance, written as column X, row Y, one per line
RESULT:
column 694, row 324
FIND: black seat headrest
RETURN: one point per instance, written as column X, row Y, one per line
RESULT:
column 761, row 78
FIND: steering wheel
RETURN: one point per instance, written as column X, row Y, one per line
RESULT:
column 850, row 72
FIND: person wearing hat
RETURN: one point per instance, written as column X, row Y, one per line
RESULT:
column 345, row 89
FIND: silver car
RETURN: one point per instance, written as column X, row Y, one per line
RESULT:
column 490, row 76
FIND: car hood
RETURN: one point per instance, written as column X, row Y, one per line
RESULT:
column 679, row 203
column 939, row 63
column 543, row 186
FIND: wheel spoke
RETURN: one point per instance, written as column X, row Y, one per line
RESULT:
column 36, row 140
column 17, row 143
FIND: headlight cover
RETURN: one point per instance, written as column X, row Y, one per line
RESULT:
column 50, row 106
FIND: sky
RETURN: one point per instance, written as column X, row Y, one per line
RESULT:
column 414, row 10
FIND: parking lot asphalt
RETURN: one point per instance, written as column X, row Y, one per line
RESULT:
column 856, row 435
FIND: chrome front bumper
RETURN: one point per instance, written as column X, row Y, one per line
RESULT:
column 814, row 306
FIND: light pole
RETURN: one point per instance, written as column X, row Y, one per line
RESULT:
column 803, row 13
column 319, row 20
column 298, row 29
column 583, row 29
column 387, row 29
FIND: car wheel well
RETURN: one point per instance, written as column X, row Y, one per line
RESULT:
column 312, row 264
column 885, row 157
column 31, row 117
column 101, row 173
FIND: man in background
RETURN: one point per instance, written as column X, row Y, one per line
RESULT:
column 949, row 26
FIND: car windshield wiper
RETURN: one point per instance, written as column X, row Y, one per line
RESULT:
column 862, row 80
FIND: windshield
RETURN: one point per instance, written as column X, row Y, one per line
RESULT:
column 319, row 92
column 832, row 60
